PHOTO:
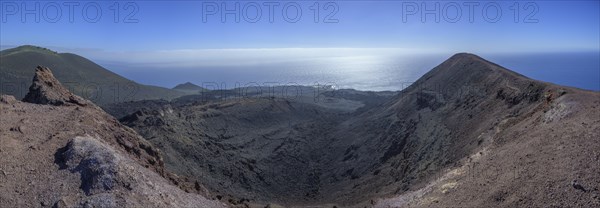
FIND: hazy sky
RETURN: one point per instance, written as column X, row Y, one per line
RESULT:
column 177, row 25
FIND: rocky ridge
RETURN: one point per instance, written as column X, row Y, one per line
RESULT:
column 59, row 150
column 418, row 148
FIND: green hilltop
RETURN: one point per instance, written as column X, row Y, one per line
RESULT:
column 80, row 75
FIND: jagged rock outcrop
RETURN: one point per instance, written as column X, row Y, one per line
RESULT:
column 64, row 151
column 45, row 89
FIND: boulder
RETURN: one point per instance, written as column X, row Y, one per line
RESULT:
column 47, row 90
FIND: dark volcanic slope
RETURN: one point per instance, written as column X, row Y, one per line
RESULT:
column 457, row 109
column 434, row 123
column 413, row 150
column 528, row 143
column 80, row 75
column 246, row 149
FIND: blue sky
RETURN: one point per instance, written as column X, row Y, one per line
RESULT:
column 190, row 36
column 168, row 25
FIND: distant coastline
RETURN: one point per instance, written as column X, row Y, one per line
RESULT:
column 574, row 69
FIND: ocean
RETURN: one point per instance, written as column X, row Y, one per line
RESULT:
column 374, row 73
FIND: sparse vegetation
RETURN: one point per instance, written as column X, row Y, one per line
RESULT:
column 80, row 75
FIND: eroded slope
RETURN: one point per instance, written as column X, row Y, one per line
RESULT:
column 70, row 154
column 409, row 151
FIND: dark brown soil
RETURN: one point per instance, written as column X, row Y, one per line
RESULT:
column 413, row 149
column 469, row 133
